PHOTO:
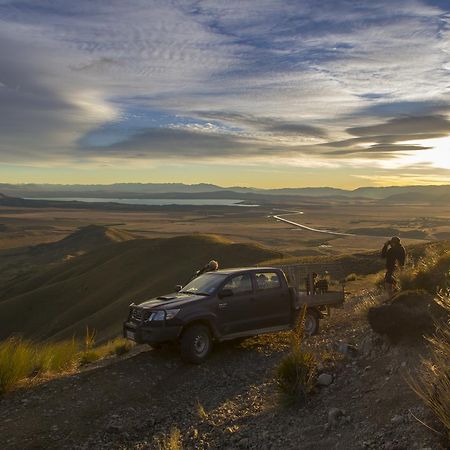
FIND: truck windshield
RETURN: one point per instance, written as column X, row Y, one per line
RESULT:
column 205, row 284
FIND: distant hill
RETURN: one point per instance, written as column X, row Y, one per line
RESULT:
column 95, row 289
column 437, row 197
column 175, row 190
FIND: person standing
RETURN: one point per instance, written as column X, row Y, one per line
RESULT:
column 395, row 255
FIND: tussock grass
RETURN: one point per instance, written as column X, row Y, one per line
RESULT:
column 368, row 300
column 431, row 272
column 201, row 412
column 296, row 373
column 433, row 382
column 21, row 359
column 172, row 441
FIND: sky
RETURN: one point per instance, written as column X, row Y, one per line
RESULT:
column 263, row 93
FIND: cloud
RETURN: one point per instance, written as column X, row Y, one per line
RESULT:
column 409, row 126
column 323, row 84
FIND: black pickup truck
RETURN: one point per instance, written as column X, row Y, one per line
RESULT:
column 218, row 306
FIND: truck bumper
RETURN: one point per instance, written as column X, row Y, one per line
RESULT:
column 149, row 334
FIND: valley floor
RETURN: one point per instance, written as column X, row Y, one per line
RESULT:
column 230, row 401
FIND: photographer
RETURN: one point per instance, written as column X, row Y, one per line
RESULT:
column 394, row 253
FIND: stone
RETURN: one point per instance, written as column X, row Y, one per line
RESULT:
column 397, row 419
column 324, row 379
column 333, row 416
column 243, row 443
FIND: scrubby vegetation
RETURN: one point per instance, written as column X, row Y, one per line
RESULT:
column 412, row 312
column 22, row 359
column 171, row 441
column 433, row 383
column 296, row 373
column 430, row 273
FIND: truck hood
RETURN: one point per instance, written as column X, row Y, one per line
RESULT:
column 173, row 300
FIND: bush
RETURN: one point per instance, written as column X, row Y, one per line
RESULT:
column 21, row 359
column 295, row 376
column 122, row 346
column 296, row 373
column 169, row 442
column 55, row 357
column 16, row 363
column 431, row 273
column 433, row 383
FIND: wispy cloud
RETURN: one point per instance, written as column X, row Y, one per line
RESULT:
column 336, row 84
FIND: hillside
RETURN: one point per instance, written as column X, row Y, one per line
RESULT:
column 230, row 402
column 96, row 288
column 20, row 262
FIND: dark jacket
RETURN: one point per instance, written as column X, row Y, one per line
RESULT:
column 393, row 254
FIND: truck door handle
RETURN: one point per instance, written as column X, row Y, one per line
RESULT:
column 223, row 305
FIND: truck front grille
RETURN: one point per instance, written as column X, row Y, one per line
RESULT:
column 139, row 314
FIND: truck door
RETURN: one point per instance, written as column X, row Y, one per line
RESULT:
column 272, row 303
column 235, row 311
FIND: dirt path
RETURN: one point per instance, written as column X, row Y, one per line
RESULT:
column 230, row 401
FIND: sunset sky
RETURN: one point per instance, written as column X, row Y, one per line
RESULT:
column 263, row 93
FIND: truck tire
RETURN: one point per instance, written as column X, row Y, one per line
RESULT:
column 196, row 344
column 312, row 322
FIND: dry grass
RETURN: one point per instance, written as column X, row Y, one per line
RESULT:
column 296, row 373
column 21, row 359
column 431, row 272
column 172, row 441
column 369, row 299
column 433, row 382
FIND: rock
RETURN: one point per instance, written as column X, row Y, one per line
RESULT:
column 324, row 379
column 397, row 419
column 243, row 443
column 333, row 416
column 114, row 428
column 347, row 349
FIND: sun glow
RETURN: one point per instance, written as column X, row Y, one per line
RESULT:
column 435, row 154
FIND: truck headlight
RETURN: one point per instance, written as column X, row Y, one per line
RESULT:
column 157, row 315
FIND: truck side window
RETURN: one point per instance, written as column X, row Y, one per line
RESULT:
column 239, row 284
column 267, row 280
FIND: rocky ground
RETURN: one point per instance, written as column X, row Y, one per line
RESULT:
column 231, row 402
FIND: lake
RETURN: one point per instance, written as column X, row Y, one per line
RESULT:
column 152, row 201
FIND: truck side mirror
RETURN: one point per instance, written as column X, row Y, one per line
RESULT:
column 225, row 293
column 178, row 288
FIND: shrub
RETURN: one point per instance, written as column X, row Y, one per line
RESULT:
column 295, row 376
column 368, row 300
column 170, row 442
column 122, row 346
column 55, row 357
column 433, row 383
column 296, row 373
column 16, row 362
column 89, row 356
column 431, row 273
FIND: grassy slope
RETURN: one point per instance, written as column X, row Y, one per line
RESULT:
column 95, row 289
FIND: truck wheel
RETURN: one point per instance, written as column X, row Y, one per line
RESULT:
column 196, row 344
column 311, row 322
